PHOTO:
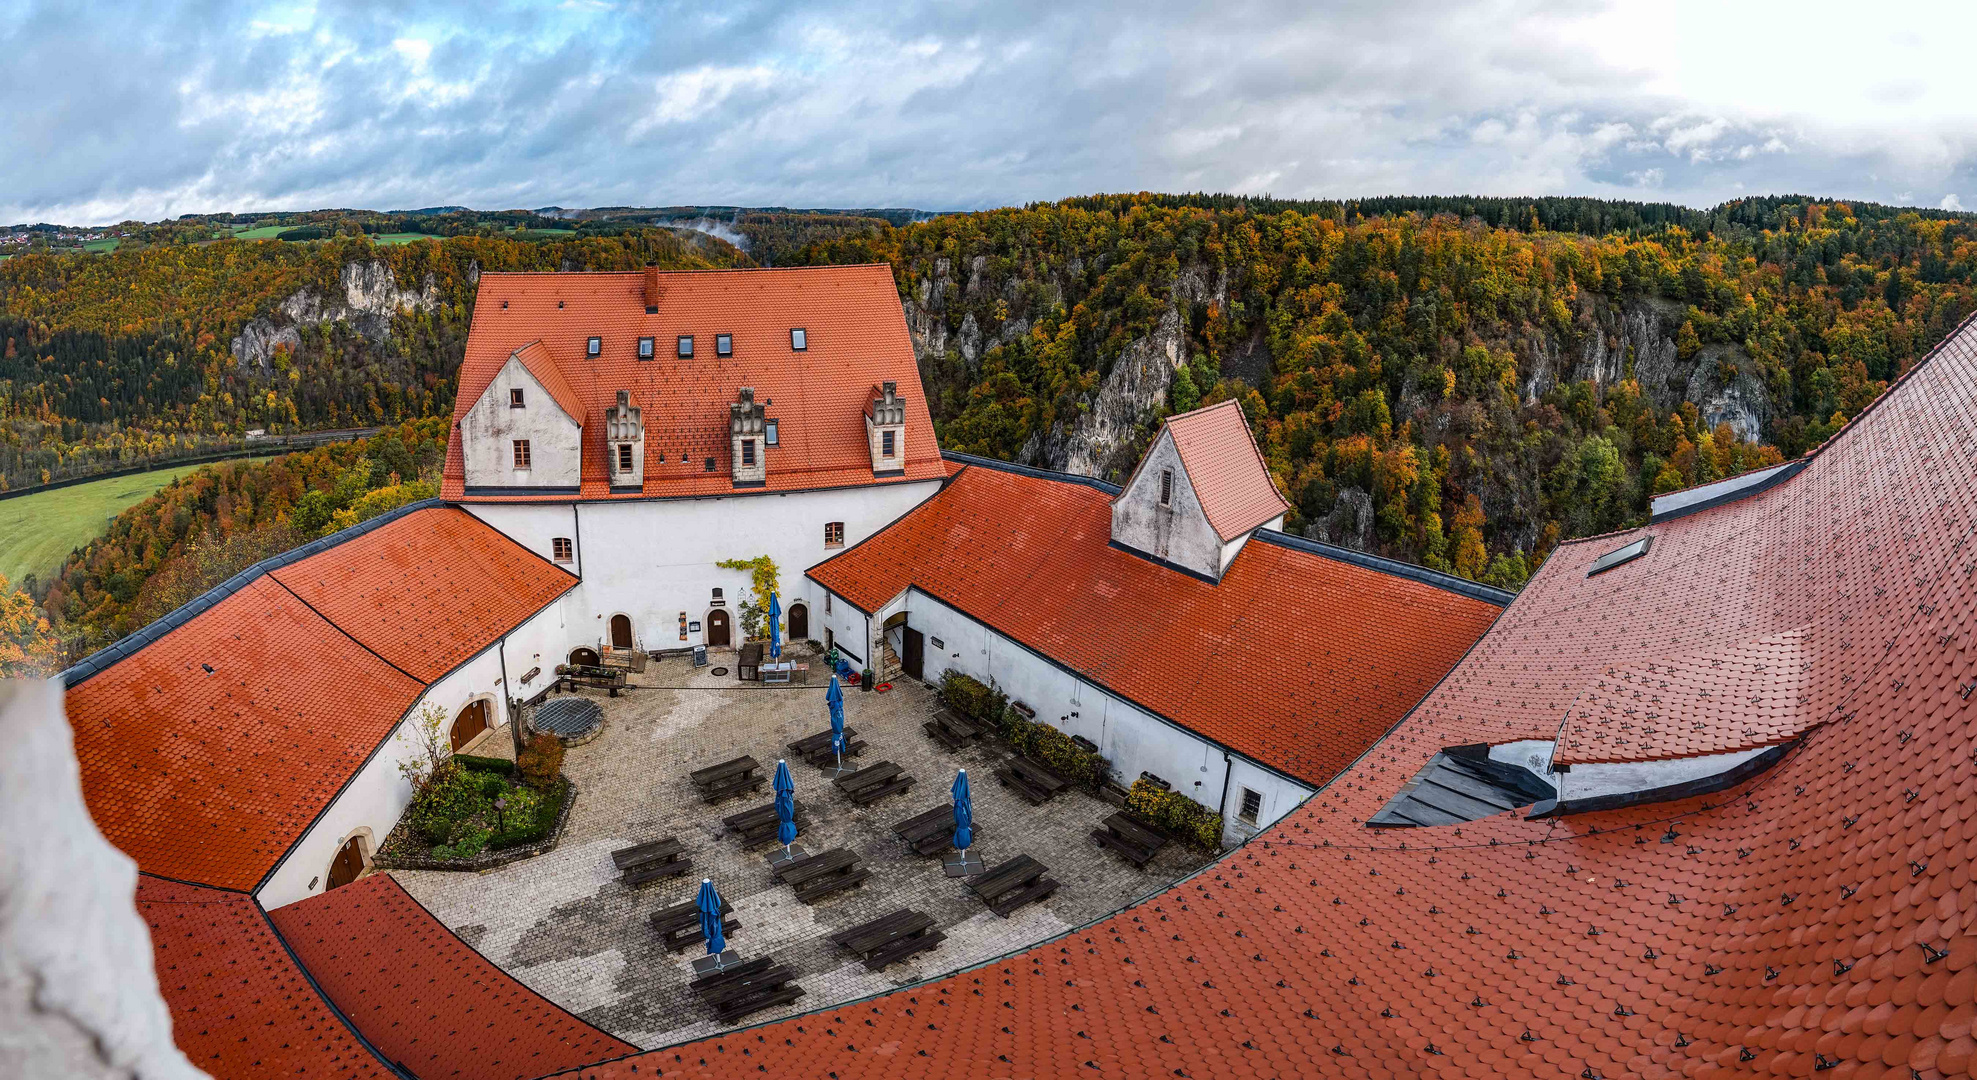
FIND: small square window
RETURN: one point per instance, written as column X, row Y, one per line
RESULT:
column 515, row 398
column 772, row 436
column 799, row 339
column 885, row 444
column 624, row 457
column 724, row 344
column 710, row 465
column 1252, row 806
column 594, row 346
column 833, row 534
column 716, row 596
column 645, row 348
column 560, row 548
column 686, row 346
column 521, row 453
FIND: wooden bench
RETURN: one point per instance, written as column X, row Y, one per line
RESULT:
column 1013, row 884
column 822, row 874
column 890, row 938
column 1138, row 841
column 760, row 825
column 816, row 749
column 951, row 729
column 570, row 677
column 737, row 777
column 650, row 862
column 679, row 925
column 746, row 988
column 874, row 782
column 1031, row 780
column 932, row 832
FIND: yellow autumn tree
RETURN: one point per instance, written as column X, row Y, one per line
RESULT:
column 1470, row 555
column 27, row 644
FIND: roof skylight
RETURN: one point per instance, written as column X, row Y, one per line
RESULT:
column 1620, row 556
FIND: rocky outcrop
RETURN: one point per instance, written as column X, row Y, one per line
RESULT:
column 1350, row 522
column 369, row 297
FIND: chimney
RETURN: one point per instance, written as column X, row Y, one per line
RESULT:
column 651, row 289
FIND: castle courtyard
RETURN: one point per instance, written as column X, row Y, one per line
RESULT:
column 563, row 924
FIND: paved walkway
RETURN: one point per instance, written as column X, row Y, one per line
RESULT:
column 563, row 924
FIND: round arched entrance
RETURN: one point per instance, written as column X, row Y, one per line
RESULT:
column 583, row 657
column 799, row 622
column 621, row 631
column 471, row 722
column 717, row 627
column 348, row 864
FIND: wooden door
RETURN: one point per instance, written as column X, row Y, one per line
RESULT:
column 349, row 862
column 621, row 632
column 717, row 627
column 915, row 660
column 799, row 622
column 471, row 722
column 582, row 657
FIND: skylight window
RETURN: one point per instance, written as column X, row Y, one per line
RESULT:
column 594, row 346
column 724, row 344
column 771, row 437
column 686, row 346
column 645, row 348
column 1620, row 556
column 799, row 339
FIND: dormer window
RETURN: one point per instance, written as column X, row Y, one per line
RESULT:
column 515, row 398
column 886, row 443
column 624, row 457
column 724, row 344
column 645, row 348
column 1621, row 556
column 686, row 346
column 748, row 451
column 799, row 339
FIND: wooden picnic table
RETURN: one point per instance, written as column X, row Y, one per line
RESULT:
column 1137, row 840
column 748, row 666
column 641, row 863
column 735, row 777
column 951, row 729
column 760, row 825
column 816, row 749
column 932, row 832
column 570, row 677
column 679, row 925
column 747, row 987
column 823, row 874
column 1009, row 886
column 874, row 782
column 890, row 938
column 1031, row 780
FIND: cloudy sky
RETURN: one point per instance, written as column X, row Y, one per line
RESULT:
column 150, row 110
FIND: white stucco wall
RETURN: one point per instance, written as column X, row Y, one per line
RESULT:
column 378, row 794
column 653, row 559
column 1179, row 532
column 489, row 428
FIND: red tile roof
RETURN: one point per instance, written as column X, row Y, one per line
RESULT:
column 856, row 337
column 1817, row 920
column 1296, row 660
column 535, row 357
column 1226, row 469
column 240, row 1006
column 425, row 999
column 211, row 775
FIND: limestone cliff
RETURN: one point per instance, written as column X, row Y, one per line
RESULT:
column 370, row 295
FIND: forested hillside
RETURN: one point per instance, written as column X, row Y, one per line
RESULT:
column 1426, row 385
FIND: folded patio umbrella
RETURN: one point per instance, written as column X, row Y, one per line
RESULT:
column 964, row 813
column 709, row 903
column 775, row 628
column 785, row 806
column 834, row 697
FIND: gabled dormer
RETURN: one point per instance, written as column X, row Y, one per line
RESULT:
column 885, row 429
column 624, row 443
column 748, row 434
column 525, row 431
column 1198, row 494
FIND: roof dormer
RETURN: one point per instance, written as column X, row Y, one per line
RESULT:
column 885, row 429
column 1199, row 493
column 748, row 435
column 624, row 442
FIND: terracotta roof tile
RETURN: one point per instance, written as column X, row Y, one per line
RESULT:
column 856, row 337
column 425, row 999
column 1296, row 660
column 535, row 357
column 1226, row 469
column 240, row 1006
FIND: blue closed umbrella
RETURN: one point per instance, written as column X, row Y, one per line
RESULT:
column 834, row 697
column 775, row 629
column 785, row 805
column 964, row 812
column 709, row 903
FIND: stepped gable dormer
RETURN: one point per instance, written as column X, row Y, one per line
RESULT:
column 624, row 443
column 1198, row 494
column 885, row 429
column 748, row 433
column 525, row 431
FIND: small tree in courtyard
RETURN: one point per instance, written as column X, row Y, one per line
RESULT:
column 430, row 750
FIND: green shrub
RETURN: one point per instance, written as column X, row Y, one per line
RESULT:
column 1175, row 813
column 541, row 762
column 530, row 820
column 967, row 696
column 1052, row 747
column 450, row 798
column 485, row 764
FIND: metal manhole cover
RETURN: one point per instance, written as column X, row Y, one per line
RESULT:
column 719, row 671
column 568, row 717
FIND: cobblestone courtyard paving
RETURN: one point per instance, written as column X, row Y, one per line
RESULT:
column 564, row 925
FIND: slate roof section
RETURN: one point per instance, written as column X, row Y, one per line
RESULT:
column 1817, row 920
column 207, row 752
column 240, row 1006
column 1295, row 660
column 856, row 338
column 422, row 997
column 1226, row 468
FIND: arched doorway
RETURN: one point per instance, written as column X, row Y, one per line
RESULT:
column 471, row 722
column 349, row 863
column 799, row 622
column 583, row 657
column 717, row 627
column 621, row 631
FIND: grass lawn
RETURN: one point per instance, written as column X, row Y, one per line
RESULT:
column 38, row 531
column 401, row 238
column 106, row 245
column 265, row 232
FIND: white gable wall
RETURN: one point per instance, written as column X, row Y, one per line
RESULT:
column 489, row 429
column 1177, row 533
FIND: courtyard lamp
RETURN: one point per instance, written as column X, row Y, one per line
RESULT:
column 500, row 804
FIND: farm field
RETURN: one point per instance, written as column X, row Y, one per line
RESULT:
column 38, row 531
column 264, row 232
